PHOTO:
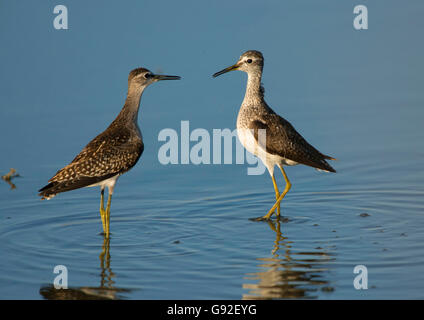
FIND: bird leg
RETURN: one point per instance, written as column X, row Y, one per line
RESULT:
column 109, row 200
column 102, row 210
column 286, row 189
column 277, row 194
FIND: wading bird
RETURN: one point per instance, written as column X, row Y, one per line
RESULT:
column 112, row 153
column 267, row 135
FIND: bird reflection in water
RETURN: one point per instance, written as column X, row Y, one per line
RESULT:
column 288, row 274
column 106, row 290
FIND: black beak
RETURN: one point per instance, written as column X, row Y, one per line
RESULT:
column 233, row 67
column 159, row 77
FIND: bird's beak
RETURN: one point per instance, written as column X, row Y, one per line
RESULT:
column 159, row 77
column 233, row 67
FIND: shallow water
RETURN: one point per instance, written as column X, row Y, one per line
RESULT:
column 184, row 231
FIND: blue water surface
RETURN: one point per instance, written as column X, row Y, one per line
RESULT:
column 183, row 231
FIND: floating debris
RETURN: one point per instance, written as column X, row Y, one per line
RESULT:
column 9, row 176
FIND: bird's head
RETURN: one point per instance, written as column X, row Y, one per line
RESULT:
column 251, row 61
column 142, row 77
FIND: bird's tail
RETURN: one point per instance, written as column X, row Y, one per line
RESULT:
column 47, row 192
column 329, row 158
column 324, row 164
column 55, row 187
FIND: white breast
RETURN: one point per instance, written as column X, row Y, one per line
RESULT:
column 247, row 139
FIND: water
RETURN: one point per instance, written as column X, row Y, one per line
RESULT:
column 184, row 231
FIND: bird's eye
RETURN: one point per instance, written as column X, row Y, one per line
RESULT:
column 249, row 60
column 148, row 75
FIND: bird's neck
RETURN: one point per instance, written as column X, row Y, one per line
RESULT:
column 129, row 112
column 254, row 92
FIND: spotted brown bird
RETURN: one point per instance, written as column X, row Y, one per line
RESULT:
column 112, row 153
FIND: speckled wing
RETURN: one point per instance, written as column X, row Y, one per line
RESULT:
column 109, row 154
column 282, row 139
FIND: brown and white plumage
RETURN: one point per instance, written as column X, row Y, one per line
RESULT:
column 283, row 140
column 267, row 135
column 112, row 153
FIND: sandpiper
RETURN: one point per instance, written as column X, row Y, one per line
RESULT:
column 112, row 153
column 267, row 135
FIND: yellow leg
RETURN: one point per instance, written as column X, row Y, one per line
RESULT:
column 109, row 199
column 277, row 194
column 102, row 210
column 286, row 189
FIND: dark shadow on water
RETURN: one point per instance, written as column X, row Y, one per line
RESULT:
column 288, row 273
column 106, row 290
